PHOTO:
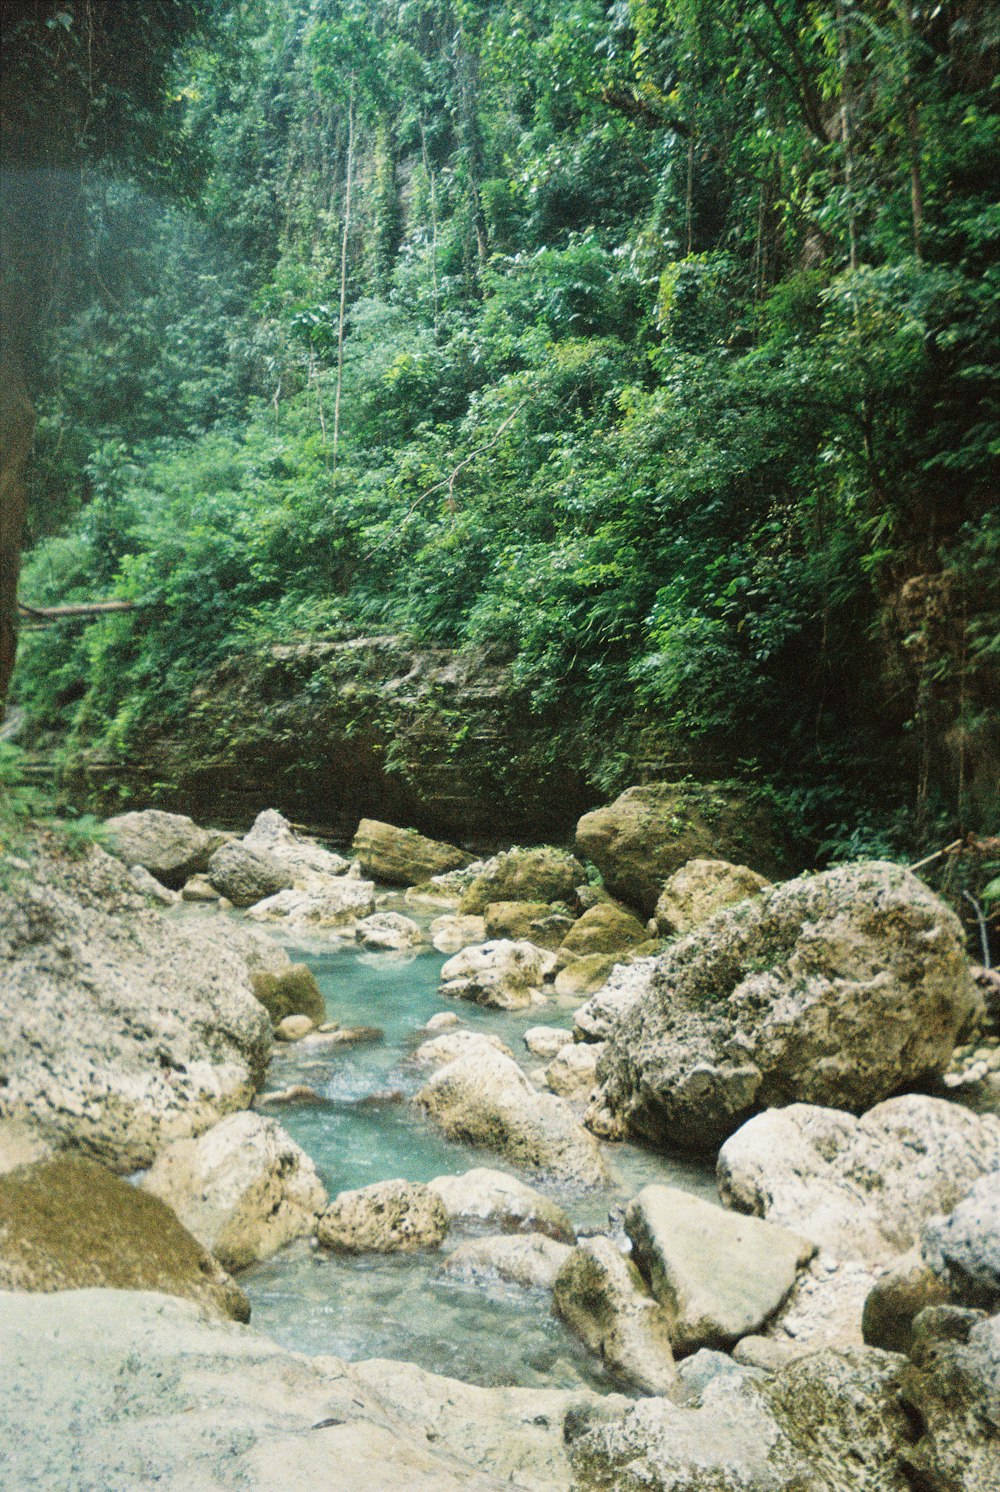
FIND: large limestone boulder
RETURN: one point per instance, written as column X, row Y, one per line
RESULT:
column 402, row 857
column 625, row 987
column 836, row 989
column 601, row 1297
column 303, row 859
column 169, row 845
column 485, row 1099
column 544, row 874
column 605, row 929
column 641, row 838
column 720, row 1275
column 503, row 1202
column 531, row 1260
column 69, row 1224
column 244, row 1188
column 859, row 1188
column 202, row 1405
column 700, row 889
column 121, row 1029
column 830, row 1422
column 388, row 1217
column 246, row 875
column 291, row 991
column 336, row 904
column 506, row 975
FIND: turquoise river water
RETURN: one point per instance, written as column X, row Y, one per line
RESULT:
column 365, row 1130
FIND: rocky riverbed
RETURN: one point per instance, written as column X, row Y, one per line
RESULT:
column 681, row 1177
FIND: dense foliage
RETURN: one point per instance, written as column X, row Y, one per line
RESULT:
column 650, row 345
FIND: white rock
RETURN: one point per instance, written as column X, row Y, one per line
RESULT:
column 572, row 1073
column 546, row 1041
column 389, row 930
column 505, row 974
column 451, row 933
column 503, row 1201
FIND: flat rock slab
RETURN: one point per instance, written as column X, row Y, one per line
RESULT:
column 113, row 1391
column 402, row 857
column 720, row 1274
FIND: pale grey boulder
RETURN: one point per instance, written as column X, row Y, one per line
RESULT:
column 170, row 846
column 331, row 905
column 546, row 1041
column 243, row 1188
column 441, row 1050
column 122, row 1029
column 859, row 1188
column 531, row 1260
column 506, row 975
column 390, row 931
column 385, row 1218
column 301, row 857
column 485, row 1099
column 246, row 875
column 836, row 989
column 720, row 1275
column 503, row 1201
column 963, row 1248
column 601, row 1297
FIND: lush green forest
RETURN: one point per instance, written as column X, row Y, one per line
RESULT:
column 650, row 346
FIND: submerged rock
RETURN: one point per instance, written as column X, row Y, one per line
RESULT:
column 402, row 857
column 544, row 874
column 530, row 1259
column 836, row 989
column 700, row 889
column 485, row 1099
column 71, row 1224
column 503, row 1201
column 246, row 875
column 121, row 1029
column 649, row 832
column 504, row 974
column 244, row 1188
column 601, row 1297
column 860, row 1188
column 169, row 845
column 385, row 1218
column 719, row 1274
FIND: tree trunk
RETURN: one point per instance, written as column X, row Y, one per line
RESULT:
column 343, row 279
column 17, row 428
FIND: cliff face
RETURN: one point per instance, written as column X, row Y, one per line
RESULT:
column 330, row 732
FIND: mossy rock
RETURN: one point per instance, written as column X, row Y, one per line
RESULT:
column 71, row 1224
column 292, row 992
column 541, row 874
column 648, row 833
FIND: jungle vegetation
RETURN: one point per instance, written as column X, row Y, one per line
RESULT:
column 650, row 345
